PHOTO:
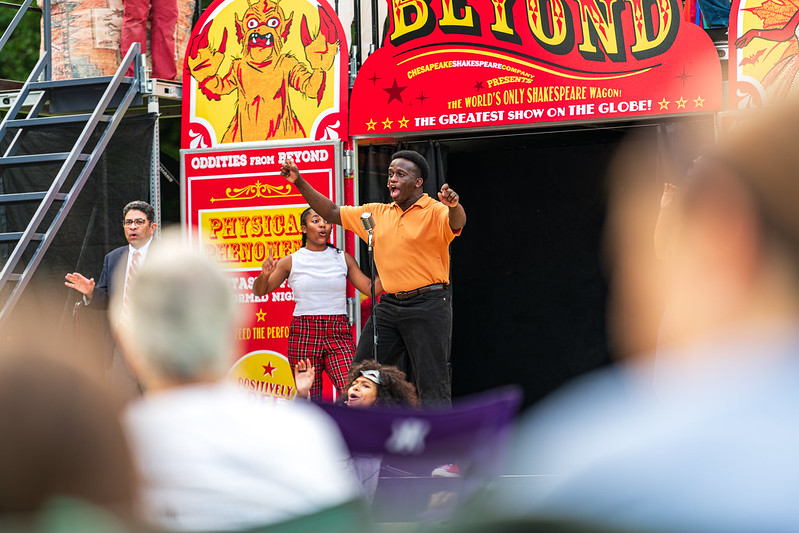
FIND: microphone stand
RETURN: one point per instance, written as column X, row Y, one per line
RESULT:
column 374, row 300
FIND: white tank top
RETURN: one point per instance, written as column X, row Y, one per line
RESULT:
column 319, row 282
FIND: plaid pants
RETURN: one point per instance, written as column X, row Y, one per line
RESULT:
column 327, row 341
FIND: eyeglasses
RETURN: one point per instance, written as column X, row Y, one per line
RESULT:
column 138, row 222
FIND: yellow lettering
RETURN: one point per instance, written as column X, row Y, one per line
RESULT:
column 555, row 15
column 450, row 18
column 411, row 19
column 662, row 27
column 602, row 27
column 500, row 24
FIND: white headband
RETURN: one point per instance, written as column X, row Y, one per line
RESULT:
column 371, row 375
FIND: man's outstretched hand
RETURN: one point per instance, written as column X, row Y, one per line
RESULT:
column 79, row 282
column 448, row 197
column 290, row 171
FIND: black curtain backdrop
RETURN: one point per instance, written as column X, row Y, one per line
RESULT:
column 528, row 289
column 93, row 226
column 531, row 288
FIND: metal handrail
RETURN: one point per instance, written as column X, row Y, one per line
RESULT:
column 22, row 95
column 46, row 30
column 7, row 274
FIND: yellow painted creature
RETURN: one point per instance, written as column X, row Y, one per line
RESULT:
column 264, row 73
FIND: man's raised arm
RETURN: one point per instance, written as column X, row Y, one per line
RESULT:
column 318, row 201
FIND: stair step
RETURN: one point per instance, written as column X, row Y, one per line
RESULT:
column 22, row 197
column 59, row 119
column 17, row 235
column 77, row 82
column 34, row 159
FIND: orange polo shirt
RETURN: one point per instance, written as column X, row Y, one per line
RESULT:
column 411, row 248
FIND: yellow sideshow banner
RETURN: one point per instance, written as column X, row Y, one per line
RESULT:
column 763, row 53
column 264, row 375
column 241, row 238
column 235, row 206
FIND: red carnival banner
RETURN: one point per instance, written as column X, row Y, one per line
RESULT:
column 763, row 65
column 235, row 206
column 263, row 70
column 467, row 64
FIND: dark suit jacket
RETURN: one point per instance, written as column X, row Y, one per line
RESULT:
column 107, row 284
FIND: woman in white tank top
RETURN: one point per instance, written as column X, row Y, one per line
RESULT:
column 318, row 274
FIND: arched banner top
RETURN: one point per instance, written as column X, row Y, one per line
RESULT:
column 476, row 64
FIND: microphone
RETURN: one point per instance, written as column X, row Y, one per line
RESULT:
column 368, row 222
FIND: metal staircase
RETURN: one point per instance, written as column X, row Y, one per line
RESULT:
column 40, row 93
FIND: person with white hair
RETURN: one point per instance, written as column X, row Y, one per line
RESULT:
column 209, row 458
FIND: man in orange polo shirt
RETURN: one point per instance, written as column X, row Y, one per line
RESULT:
column 411, row 251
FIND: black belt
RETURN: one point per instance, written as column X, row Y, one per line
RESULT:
column 407, row 295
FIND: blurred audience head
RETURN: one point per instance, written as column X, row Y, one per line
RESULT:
column 181, row 317
column 735, row 253
column 61, row 437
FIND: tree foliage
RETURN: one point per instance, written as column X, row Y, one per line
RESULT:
column 19, row 55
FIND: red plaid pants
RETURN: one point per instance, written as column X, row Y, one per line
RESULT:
column 327, row 341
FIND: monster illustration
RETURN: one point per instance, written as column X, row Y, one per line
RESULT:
column 264, row 72
column 781, row 25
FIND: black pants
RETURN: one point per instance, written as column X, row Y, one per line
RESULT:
column 421, row 327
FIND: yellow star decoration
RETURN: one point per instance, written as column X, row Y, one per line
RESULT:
column 261, row 315
column 370, row 125
column 681, row 103
column 403, row 122
column 664, row 104
column 387, row 123
column 699, row 101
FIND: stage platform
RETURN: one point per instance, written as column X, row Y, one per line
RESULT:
column 168, row 95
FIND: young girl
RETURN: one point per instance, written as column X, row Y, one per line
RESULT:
column 318, row 274
column 370, row 384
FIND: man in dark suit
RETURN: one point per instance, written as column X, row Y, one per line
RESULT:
column 139, row 229
column 139, row 226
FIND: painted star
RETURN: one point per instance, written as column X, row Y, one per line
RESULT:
column 261, row 315
column 370, row 125
column 268, row 369
column 479, row 86
column 387, row 123
column 683, row 76
column 403, row 122
column 681, row 103
column 664, row 104
column 374, row 78
column 422, row 98
column 699, row 101
column 395, row 92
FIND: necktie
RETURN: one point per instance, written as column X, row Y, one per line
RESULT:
column 132, row 269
